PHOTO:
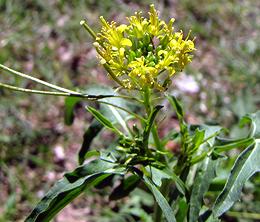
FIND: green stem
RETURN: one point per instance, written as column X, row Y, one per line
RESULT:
column 124, row 109
column 89, row 30
column 118, row 116
column 32, row 91
column 175, row 193
column 35, row 91
column 106, row 66
column 20, row 74
column 112, row 74
column 147, row 102
column 163, row 189
column 246, row 215
column 156, row 138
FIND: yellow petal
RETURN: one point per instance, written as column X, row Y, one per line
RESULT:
column 122, row 28
column 126, row 42
column 121, row 52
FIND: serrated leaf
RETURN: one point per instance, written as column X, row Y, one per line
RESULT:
column 246, row 165
column 160, row 199
column 201, row 186
column 68, row 188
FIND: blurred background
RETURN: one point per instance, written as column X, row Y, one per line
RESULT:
column 45, row 39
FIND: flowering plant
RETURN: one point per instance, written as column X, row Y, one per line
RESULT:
column 142, row 57
column 140, row 52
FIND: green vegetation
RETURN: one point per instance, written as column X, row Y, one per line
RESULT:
column 44, row 39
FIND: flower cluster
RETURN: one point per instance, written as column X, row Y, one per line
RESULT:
column 144, row 53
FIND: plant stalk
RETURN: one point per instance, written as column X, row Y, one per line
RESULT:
column 20, row 74
column 245, row 215
column 164, row 188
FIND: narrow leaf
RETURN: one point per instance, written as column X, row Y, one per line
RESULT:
column 126, row 186
column 254, row 119
column 200, row 186
column 149, row 125
column 92, row 131
column 68, row 188
column 246, row 165
column 177, row 106
column 241, row 143
column 160, row 199
column 183, row 209
column 102, row 119
column 70, row 103
column 158, row 175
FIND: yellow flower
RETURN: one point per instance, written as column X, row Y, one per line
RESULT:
column 138, row 53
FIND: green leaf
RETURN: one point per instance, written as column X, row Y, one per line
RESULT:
column 228, row 145
column 182, row 211
column 68, row 188
column 185, row 137
column 211, row 131
column 70, row 103
column 157, row 176
column 92, row 131
column 176, row 106
column 149, row 125
column 125, row 187
column 246, row 165
column 160, row 199
column 254, row 120
column 112, row 113
column 197, row 140
column 102, row 119
column 217, row 184
column 200, row 186
column 107, row 182
column 212, row 219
